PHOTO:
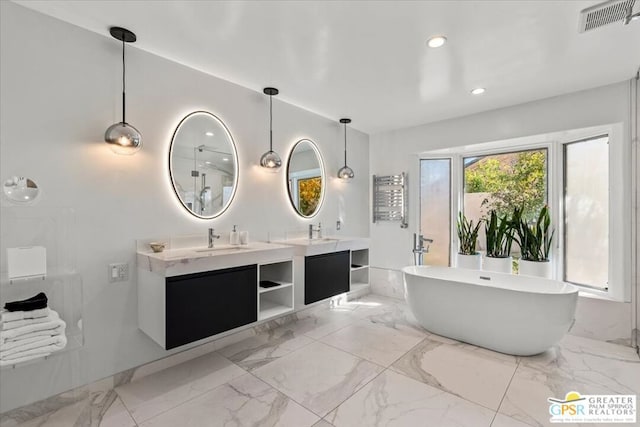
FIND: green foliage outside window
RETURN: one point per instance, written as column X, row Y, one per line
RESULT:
column 513, row 179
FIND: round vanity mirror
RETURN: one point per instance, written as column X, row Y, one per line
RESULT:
column 305, row 175
column 20, row 189
column 203, row 164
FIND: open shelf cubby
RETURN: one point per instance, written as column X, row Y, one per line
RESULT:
column 276, row 300
column 359, row 269
column 359, row 259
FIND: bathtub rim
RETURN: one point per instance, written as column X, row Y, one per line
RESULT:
column 564, row 288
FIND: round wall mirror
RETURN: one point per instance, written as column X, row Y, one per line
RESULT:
column 20, row 189
column 305, row 175
column 203, row 164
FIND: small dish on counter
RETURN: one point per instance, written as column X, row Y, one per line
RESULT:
column 157, row 246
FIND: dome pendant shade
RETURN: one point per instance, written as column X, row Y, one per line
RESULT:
column 270, row 159
column 345, row 173
column 122, row 137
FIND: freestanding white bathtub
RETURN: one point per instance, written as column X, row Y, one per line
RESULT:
column 519, row 315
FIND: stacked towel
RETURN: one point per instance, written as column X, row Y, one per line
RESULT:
column 31, row 333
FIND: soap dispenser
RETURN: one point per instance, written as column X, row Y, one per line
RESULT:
column 234, row 237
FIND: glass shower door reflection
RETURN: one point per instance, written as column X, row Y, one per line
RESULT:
column 435, row 209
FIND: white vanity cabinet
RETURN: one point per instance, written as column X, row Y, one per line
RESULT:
column 187, row 295
column 326, row 267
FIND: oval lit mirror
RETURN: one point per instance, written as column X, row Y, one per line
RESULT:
column 305, row 174
column 20, row 189
column 203, row 163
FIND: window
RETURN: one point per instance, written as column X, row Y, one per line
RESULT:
column 435, row 209
column 503, row 181
column 586, row 212
column 571, row 171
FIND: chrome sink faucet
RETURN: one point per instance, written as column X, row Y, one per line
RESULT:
column 312, row 229
column 212, row 237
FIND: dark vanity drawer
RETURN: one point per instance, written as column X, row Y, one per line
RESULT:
column 325, row 275
column 204, row 304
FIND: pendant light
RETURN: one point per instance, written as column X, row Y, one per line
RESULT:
column 345, row 173
column 270, row 159
column 122, row 137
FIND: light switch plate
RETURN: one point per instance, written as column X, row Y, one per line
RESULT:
column 118, row 272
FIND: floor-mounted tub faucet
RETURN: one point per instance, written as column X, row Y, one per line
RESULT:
column 212, row 237
column 419, row 249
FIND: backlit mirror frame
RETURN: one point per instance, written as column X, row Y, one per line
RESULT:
column 235, row 163
column 323, row 176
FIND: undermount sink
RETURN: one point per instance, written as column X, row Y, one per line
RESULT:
column 222, row 248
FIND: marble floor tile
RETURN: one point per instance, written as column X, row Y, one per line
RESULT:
column 103, row 409
column 503, row 421
column 318, row 376
column 392, row 399
column 614, row 368
column 526, row 397
column 392, row 313
column 476, row 374
column 167, row 389
column 323, row 423
column 373, row 342
column 318, row 323
column 266, row 347
column 244, row 401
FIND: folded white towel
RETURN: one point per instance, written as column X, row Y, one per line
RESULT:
column 37, row 334
column 44, row 350
column 5, row 326
column 16, row 333
column 10, row 316
column 8, row 353
column 8, row 345
column 22, row 359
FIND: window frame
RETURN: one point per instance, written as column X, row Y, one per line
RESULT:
column 620, row 215
column 563, row 261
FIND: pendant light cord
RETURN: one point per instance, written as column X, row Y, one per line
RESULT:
column 270, row 123
column 345, row 144
column 123, row 84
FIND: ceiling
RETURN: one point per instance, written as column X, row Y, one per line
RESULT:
column 368, row 60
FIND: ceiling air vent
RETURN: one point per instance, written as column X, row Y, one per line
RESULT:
column 604, row 13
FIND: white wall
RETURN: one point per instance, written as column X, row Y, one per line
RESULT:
column 398, row 150
column 60, row 90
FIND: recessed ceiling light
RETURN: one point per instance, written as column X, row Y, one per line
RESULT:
column 208, row 162
column 478, row 91
column 225, row 159
column 436, row 41
column 209, row 133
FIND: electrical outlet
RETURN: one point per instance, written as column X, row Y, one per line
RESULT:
column 118, row 272
column 338, row 225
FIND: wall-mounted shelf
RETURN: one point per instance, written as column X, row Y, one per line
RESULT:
column 64, row 291
column 53, row 228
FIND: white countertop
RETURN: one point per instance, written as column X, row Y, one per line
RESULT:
column 175, row 262
column 318, row 246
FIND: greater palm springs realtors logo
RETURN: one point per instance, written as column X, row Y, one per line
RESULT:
column 576, row 408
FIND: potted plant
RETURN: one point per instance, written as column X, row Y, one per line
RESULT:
column 535, row 243
column 468, row 257
column 499, row 237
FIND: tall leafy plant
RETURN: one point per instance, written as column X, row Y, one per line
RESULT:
column 467, row 234
column 499, row 235
column 534, row 239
